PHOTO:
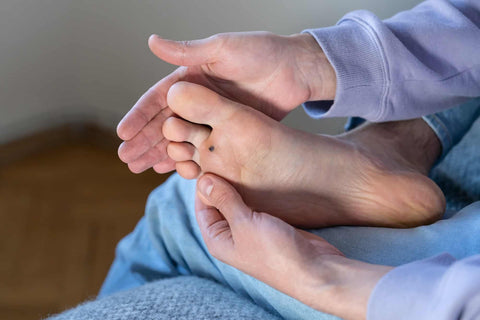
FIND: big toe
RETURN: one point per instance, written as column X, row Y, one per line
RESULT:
column 198, row 104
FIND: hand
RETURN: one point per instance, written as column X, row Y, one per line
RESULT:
column 272, row 251
column 271, row 73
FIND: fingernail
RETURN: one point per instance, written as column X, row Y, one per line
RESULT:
column 205, row 185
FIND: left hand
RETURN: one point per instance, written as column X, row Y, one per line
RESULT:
column 272, row 251
column 268, row 72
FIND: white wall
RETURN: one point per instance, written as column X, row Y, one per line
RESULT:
column 74, row 59
column 36, row 75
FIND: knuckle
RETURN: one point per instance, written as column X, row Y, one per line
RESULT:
column 220, row 42
column 183, row 50
column 149, row 137
column 222, row 198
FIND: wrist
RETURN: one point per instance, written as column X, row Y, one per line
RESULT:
column 342, row 286
column 314, row 67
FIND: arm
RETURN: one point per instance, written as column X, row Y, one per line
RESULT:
column 438, row 288
column 416, row 63
column 295, row 262
column 272, row 251
column 273, row 74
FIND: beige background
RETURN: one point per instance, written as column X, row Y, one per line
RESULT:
column 70, row 60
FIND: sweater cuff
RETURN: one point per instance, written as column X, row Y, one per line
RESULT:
column 403, row 293
column 354, row 51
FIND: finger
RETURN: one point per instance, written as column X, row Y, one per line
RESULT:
column 215, row 231
column 179, row 130
column 148, row 106
column 186, row 53
column 148, row 137
column 153, row 156
column 199, row 104
column 188, row 169
column 218, row 193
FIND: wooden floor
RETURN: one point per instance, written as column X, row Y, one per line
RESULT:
column 62, row 211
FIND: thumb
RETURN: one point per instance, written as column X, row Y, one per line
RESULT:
column 215, row 231
column 218, row 207
column 186, row 53
column 218, row 193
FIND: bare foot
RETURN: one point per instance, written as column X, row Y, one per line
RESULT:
column 305, row 179
column 271, row 73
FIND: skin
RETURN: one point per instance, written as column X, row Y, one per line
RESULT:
column 307, row 180
column 270, row 250
column 281, row 73
column 273, row 74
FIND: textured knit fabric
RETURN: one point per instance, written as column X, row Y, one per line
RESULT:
column 416, row 63
column 170, row 299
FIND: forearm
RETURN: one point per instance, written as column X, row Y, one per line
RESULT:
column 313, row 68
column 341, row 286
column 436, row 288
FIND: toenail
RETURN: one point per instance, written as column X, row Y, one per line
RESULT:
column 211, row 148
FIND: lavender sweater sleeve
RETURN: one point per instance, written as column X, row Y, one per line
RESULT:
column 418, row 62
column 440, row 288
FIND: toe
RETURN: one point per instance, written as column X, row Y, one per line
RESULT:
column 179, row 130
column 182, row 151
column 198, row 104
column 188, row 169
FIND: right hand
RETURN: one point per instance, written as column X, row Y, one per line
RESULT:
column 271, row 73
column 293, row 261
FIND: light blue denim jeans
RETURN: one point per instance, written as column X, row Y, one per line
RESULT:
column 167, row 242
